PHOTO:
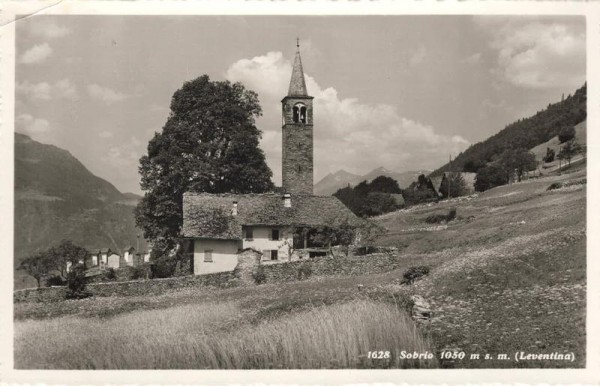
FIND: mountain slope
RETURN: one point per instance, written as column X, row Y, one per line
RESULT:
column 333, row 181
column 56, row 198
column 554, row 143
column 524, row 133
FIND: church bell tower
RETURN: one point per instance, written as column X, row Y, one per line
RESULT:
column 297, row 113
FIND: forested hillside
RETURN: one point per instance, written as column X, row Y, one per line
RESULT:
column 56, row 198
column 524, row 133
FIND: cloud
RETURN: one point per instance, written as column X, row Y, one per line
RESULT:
column 34, row 90
column 29, row 124
column 65, row 89
column 473, row 59
column 105, row 94
column 48, row 30
column 126, row 155
column 62, row 89
column 538, row 53
column 36, row 54
column 105, row 134
column 349, row 134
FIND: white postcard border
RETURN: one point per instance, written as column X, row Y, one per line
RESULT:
column 8, row 10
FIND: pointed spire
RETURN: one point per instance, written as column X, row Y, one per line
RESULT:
column 297, row 83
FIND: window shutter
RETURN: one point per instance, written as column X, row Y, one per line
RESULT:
column 208, row 256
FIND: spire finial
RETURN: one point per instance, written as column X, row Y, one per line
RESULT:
column 297, row 83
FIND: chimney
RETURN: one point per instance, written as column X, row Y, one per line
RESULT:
column 287, row 200
column 234, row 209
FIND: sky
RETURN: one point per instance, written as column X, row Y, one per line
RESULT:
column 402, row 92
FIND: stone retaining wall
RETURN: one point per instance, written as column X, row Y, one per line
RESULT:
column 327, row 266
column 130, row 288
column 282, row 272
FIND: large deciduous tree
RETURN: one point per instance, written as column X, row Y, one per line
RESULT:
column 489, row 177
column 567, row 133
column 208, row 144
column 38, row 266
column 517, row 160
column 568, row 151
column 66, row 254
column 384, row 184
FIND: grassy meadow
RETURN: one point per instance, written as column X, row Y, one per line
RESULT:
column 218, row 336
column 507, row 275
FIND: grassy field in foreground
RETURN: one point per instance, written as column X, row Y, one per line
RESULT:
column 217, row 336
column 507, row 275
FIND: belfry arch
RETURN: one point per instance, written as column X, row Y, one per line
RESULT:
column 299, row 113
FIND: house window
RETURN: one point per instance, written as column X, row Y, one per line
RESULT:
column 270, row 254
column 249, row 234
column 208, row 256
column 275, row 234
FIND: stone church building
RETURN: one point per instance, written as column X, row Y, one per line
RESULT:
column 220, row 226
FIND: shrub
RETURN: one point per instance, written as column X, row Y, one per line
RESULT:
column 110, row 274
column 435, row 218
column 438, row 217
column 566, row 134
column 451, row 214
column 414, row 273
column 55, row 280
column 453, row 185
column 550, row 154
column 76, row 283
column 304, row 271
column 555, row 185
column 489, row 177
column 259, row 275
column 365, row 250
column 164, row 266
column 140, row 272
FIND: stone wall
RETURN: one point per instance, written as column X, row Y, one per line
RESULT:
column 130, row 288
column 328, row 266
column 42, row 295
column 248, row 260
column 284, row 272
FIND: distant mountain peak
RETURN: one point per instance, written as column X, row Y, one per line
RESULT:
column 341, row 179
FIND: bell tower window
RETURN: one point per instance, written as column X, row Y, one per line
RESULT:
column 299, row 113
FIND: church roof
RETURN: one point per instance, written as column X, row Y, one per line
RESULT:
column 468, row 177
column 437, row 183
column 210, row 215
column 297, row 83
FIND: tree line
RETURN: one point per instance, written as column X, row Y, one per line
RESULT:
column 523, row 134
column 379, row 196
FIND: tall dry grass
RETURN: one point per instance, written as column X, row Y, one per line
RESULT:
column 218, row 336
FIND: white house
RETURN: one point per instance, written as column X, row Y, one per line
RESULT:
column 221, row 225
column 113, row 260
column 93, row 258
column 104, row 253
column 129, row 255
